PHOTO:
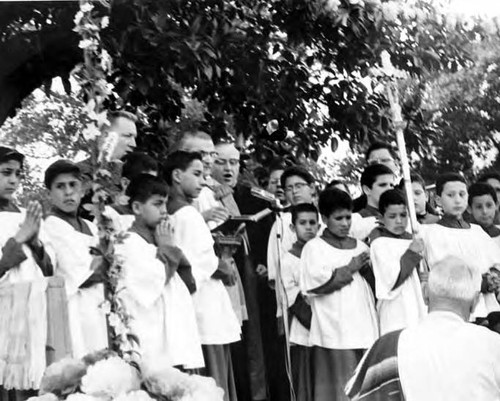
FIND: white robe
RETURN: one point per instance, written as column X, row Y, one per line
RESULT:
column 28, row 270
column 403, row 306
column 291, row 275
column 472, row 245
column 87, row 318
column 444, row 358
column 217, row 321
column 163, row 316
column 278, row 247
column 344, row 319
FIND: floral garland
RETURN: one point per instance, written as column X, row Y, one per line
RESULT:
column 91, row 75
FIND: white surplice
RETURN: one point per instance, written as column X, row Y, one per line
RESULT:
column 343, row 319
column 291, row 275
column 87, row 318
column 403, row 306
column 217, row 321
column 163, row 316
column 278, row 247
column 472, row 245
column 444, row 358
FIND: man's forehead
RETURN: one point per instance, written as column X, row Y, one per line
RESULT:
column 377, row 153
column 227, row 150
column 493, row 182
column 197, row 144
column 123, row 125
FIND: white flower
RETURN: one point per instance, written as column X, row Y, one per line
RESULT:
column 332, row 6
column 139, row 395
column 104, row 22
column 44, row 397
column 272, row 126
column 82, row 397
column 109, row 378
column 87, row 7
column 109, row 145
column 91, row 132
column 354, row 2
column 78, row 17
column 87, row 44
column 390, row 10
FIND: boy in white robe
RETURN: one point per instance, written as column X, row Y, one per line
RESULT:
column 24, row 258
column 395, row 259
column 305, row 224
column 72, row 238
column 375, row 180
column 344, row 320
column 217, row 322
column 452, row 235
column 154, row 295
column 483, row 207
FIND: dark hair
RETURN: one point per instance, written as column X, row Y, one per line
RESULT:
column 334, row 182
column 480, row 189
column 276, row 166
column 296, row 171
column 333, row 199
column 144, row 186
column 490, row 175
column 136, row 163
column 60, row 167
column 414, row 178
column 391, row 197
column 302, row 208
column 371, row 173
column 178, row 160
column 447, row 177
column 7, row 154
column 376, row 146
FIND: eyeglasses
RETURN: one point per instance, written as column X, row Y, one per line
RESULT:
column 297, row 186
column 384, row 160
column 223, row 162
column 205, row 154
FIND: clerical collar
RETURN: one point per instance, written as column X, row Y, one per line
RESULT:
column 370, row 211
column 492, row 231
column 297, row 248
column 72, row 219
column 453, row 222
column 143, row 231
column 384, row 232
column 336, row 241
column 6, row 205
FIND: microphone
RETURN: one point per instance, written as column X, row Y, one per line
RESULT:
column 268, row 197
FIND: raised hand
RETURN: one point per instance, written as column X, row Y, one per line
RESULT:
column 164, row 234
column 417, row 245
column 28, row 231
column 216, row 213
column 358, row 262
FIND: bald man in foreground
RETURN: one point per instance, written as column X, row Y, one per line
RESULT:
column 442, row 358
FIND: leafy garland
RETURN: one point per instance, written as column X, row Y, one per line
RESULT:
column 91, row 76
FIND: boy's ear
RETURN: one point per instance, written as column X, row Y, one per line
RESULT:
column 136, row 207
column 366, row 190
column 438, row 200
column 124, row 182
column 292, row 227
column 177, row 175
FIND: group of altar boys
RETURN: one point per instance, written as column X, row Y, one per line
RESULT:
column 342, row 278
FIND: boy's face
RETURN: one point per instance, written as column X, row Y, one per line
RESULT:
column 306, row 226
column 339, row 222
column 382, row 156
column 483, row 210
column 454, row 198
column 274, row 185
column 382, row 183
column 395, row 219
column 297, row 190
column 419, row 197
column 151, row 212
column 66, row 192
column 10, row 177
column 191, row 180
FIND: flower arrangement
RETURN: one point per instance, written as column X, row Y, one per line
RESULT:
column 104, row 376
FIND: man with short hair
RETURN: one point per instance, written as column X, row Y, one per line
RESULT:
column 377, row 153
column 444, row 357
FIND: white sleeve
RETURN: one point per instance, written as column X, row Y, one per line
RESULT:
column 193, row 237
column 290, row 283
column 272, row 254
column 386, row 268
column 314, row 269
